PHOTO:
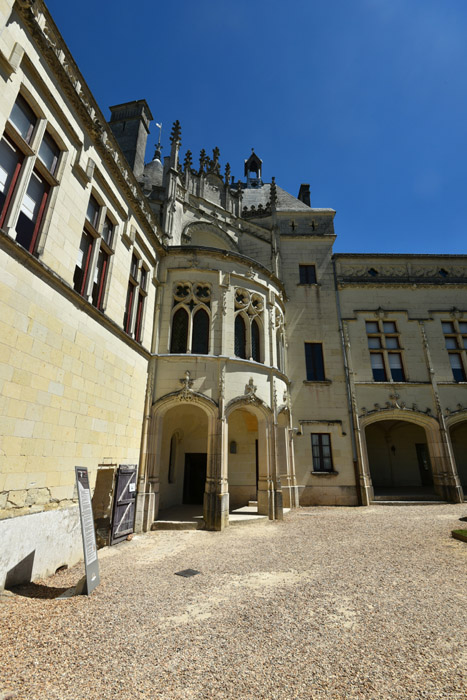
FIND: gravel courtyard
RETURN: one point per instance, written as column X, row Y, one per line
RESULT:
column 332, row 603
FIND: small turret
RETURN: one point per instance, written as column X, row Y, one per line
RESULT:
column 253, row 170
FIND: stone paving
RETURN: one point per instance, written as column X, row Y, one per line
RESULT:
column 333, row 603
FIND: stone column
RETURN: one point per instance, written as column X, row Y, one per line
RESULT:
column 216, row 495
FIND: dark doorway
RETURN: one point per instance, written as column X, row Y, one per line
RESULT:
column 424, row 465
column 195, row 478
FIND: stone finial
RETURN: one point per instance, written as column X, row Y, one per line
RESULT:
column 227, row 173
column 273, row 191
column 214, row 165
column 186, row 392
column 188, row 162
column 202, row 160
column 176, row 134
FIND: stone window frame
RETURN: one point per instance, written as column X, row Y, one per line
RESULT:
column 31, row 166
column 314, row 372
column 191, row 297
column 385, row 344
column 317, row 453
column 304, row 270
column 137, row 293
column 98, row 221
column 455, row 336
column 249, row 306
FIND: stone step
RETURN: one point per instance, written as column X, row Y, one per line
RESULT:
column 407, row 503
column 252, row 504
column 177, row 525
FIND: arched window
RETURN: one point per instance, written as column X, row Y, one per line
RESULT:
column 240, row 336
column 200, row 339
column 255, row 341
column 172, row 459
column 178, row 342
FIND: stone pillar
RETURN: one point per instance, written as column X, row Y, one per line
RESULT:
column 216, row 495
column 147, row 500
column 265, row 487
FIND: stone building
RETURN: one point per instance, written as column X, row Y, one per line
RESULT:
column 199, row 326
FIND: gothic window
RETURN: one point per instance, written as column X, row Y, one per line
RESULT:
column 240, row 336
column 255, row 341
column 191, row 318
column 178, row 342
column 248, row 325
column 200, row 341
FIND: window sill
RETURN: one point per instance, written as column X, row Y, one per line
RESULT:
column 333, row 473
column 317, row 381
column 308, row 284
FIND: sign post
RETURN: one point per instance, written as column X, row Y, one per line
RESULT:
column 91, row 563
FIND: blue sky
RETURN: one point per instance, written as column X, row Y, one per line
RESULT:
column 364, row 99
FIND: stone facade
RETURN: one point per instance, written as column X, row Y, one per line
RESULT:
column 171, row 316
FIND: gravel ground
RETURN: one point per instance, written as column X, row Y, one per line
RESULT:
column 332, row 603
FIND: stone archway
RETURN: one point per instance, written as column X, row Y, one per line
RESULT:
column 412, row 466
column 251, row 422
column 243, row 466
column 187, row 423
column 399, row 460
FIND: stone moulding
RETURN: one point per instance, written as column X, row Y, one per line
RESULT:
column 44, row 30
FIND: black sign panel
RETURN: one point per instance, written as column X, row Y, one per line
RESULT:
column 91, row 562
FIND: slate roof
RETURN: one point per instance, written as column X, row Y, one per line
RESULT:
column 261, row 195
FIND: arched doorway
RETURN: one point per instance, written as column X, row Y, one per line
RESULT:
column 243, row 467
column 183, row 456
column 252, row 465
column 399, row 460
column 458, row 433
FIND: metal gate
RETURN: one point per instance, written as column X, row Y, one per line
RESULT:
column 123, row 516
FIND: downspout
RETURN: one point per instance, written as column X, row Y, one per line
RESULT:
column 362, row 493
column 143, row 493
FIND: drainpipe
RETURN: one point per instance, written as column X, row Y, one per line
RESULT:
column 143, row 503
column 362, row 490
column 450, row 481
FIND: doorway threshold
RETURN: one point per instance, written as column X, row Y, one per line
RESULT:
column 184, row 517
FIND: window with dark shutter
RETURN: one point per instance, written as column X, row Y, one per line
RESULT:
column 307, row 274
column 314, row 362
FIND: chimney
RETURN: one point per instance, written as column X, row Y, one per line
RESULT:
column 130, row 126
column 304, row 194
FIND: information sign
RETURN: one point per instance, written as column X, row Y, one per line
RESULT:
column 91, row 562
